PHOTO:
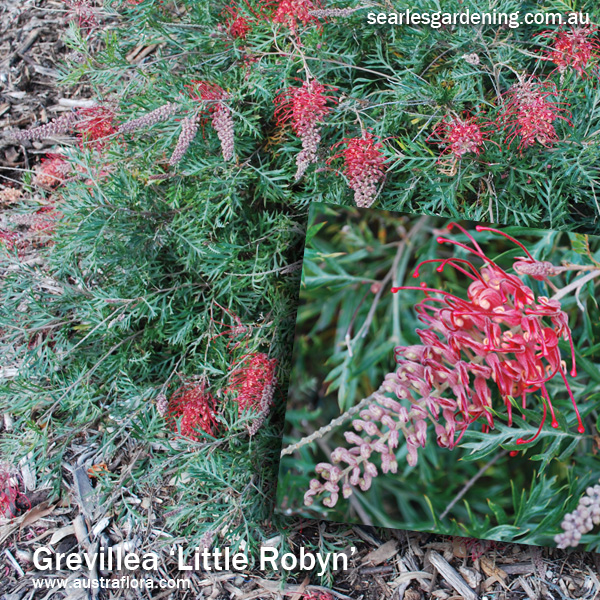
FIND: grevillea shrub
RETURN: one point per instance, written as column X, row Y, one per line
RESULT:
column 462, row 345
column 151, row 239
column 535, row 84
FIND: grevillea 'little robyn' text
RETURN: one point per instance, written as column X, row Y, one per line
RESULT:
column 305, row 107
column 500, row 336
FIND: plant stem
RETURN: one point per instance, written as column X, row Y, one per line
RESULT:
column 472, row 482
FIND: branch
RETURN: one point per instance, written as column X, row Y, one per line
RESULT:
column 319, row 433
column 576, row 285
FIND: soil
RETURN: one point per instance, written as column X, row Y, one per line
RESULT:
column 31, row 55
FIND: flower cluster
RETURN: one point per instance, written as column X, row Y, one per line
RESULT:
column 158, row 115
column 189, row 128
column 573, row 49
column 10, row 195
column 253, row 382
column 53, row 170
column 11, row 499
column 45, row 220
column 317, row 596
column 305, row 107
column 57, row 126
column 213, row 97
column 8, row 239
column 459, row 136
column 500, row 336
column 364, row 167
column 84, row 13
column 236, row 24
column 530, row 114
column 291, row 12
column 42, row 220
column 95, row 126
column 191, row 409
column 582, row 520
column 238, row 333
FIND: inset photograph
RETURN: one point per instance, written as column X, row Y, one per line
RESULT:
column 446, row 378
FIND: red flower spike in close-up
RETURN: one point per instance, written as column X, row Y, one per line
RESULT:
column 500, row 336
column 530, row 113
column 95, row 126
column 574, row 48
column 364, row 167
column 191, row 409
column 305, row 107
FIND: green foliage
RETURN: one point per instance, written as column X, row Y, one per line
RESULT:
column 397, row 81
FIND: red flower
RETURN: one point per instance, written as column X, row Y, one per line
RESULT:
column 84, row 12
column 511, row 336
column 530, row 114
column 192, row 408
column 95, row 126
column 500, row 336
column 305, row 107
column 237, row 25
column 45, row 219
column 573, row 49
column 253, row 382
column 11, row 499
column 364, row 167
column 8, row 239
column 290, row 12
column 460, row 136
column 317, row 596
column 53, row 170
